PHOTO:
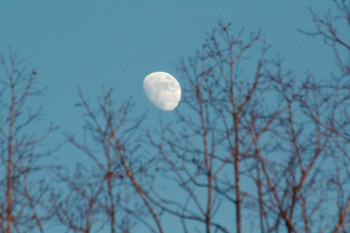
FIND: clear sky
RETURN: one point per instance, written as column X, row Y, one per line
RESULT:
column 116, row 43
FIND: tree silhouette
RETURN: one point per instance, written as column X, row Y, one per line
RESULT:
column 254, row 148
column 108, row 192
column 271, row 146
column 255, row 143
column 20, row 149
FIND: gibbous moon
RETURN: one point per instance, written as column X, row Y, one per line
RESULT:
column 163, row 90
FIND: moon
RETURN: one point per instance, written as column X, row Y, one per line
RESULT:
column 163, row 90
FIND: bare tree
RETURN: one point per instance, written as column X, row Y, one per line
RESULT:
column 256, row 148
column 113, row 182
column 20, row 150
column 331, row 29
column 259, row 142
column 212, row 152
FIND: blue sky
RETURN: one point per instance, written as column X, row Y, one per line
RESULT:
column 116, row 43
